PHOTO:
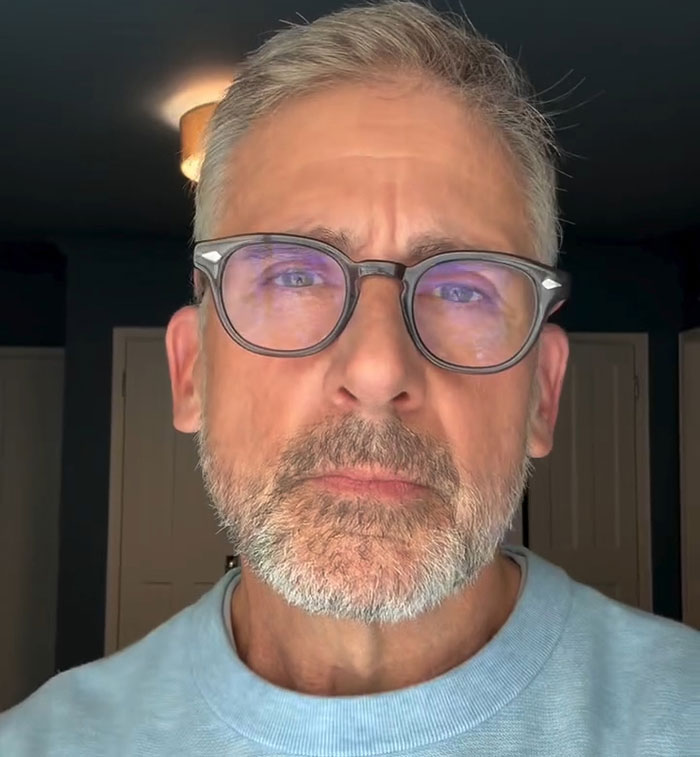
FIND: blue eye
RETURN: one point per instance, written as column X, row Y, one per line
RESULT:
column 294, row 279
column 458, row 293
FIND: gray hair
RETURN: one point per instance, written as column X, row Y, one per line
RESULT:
column 373, row 43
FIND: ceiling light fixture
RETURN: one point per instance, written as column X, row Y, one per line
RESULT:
column 193, row 125
column 189, row 108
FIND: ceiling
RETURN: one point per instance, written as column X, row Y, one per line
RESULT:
column 85, row 151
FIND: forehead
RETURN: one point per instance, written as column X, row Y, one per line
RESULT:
column 380, row 162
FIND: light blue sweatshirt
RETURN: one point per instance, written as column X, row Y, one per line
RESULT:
column 570, row 673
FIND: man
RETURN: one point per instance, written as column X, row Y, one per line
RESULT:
column 365, row 431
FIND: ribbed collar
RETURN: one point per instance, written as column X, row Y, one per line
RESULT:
column 374, row 724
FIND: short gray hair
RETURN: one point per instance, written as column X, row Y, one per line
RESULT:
column 373, row 43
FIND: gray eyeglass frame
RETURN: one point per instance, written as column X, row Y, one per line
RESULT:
column 551, row 286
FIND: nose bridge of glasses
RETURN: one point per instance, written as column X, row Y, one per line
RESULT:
column 380, row 268
column 387, row 269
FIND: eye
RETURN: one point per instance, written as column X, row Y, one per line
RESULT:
column 294, row 279
column 459, row 293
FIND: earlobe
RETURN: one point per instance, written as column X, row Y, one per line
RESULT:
column 183, row 349
column 552, row 358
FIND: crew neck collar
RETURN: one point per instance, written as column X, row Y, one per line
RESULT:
column 374, row 724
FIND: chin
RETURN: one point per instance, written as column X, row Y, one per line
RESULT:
column 368, row 579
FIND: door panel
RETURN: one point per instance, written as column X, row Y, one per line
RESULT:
column 583, row 498
column 31, row 424
column 170, row 551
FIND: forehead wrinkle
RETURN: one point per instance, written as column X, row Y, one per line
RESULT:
column 420, row 245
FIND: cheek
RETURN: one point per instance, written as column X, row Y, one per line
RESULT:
column 486, row 417
column 236, row 413
column 240, row 410
column 253, row 402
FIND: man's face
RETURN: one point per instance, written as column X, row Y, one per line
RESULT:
column 384, row 165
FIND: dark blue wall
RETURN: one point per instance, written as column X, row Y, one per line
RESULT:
column 641, row 289
column 109, row 284
column 32, row 295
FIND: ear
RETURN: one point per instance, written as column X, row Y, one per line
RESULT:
column 552, row 357
column 183, row 348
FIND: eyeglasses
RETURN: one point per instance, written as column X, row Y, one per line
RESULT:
column 283, row 295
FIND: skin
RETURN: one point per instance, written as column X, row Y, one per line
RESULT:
column 384, row 163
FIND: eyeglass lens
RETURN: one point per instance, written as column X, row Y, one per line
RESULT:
column 287, row 297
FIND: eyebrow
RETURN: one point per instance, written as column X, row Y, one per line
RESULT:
column 420, row 246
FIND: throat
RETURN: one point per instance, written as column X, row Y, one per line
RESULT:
column 323, row 656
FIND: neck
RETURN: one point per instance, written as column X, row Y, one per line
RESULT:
column 328, row 657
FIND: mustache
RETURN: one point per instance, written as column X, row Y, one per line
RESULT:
column 352, row 441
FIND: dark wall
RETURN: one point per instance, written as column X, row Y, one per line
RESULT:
column 32, row 295
column 140, row 283
column 619, row 289
column 109, row 284
column 687, row 246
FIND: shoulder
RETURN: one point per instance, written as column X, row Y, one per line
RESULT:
column 635, row 635
column 641, row 669
column 104, row 696
column 627, row 675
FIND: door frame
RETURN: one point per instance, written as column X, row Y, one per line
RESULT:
column 689, row 485
column 120, row 338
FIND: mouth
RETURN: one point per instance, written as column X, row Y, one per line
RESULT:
column 375, row 482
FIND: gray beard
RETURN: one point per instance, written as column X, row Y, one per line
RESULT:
column 357, row 557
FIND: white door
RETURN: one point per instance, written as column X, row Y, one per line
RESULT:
column 690, row 474
column 588, row 502
column 164, row 549
column 31, row 412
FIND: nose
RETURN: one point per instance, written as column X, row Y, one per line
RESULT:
column 375, row 365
